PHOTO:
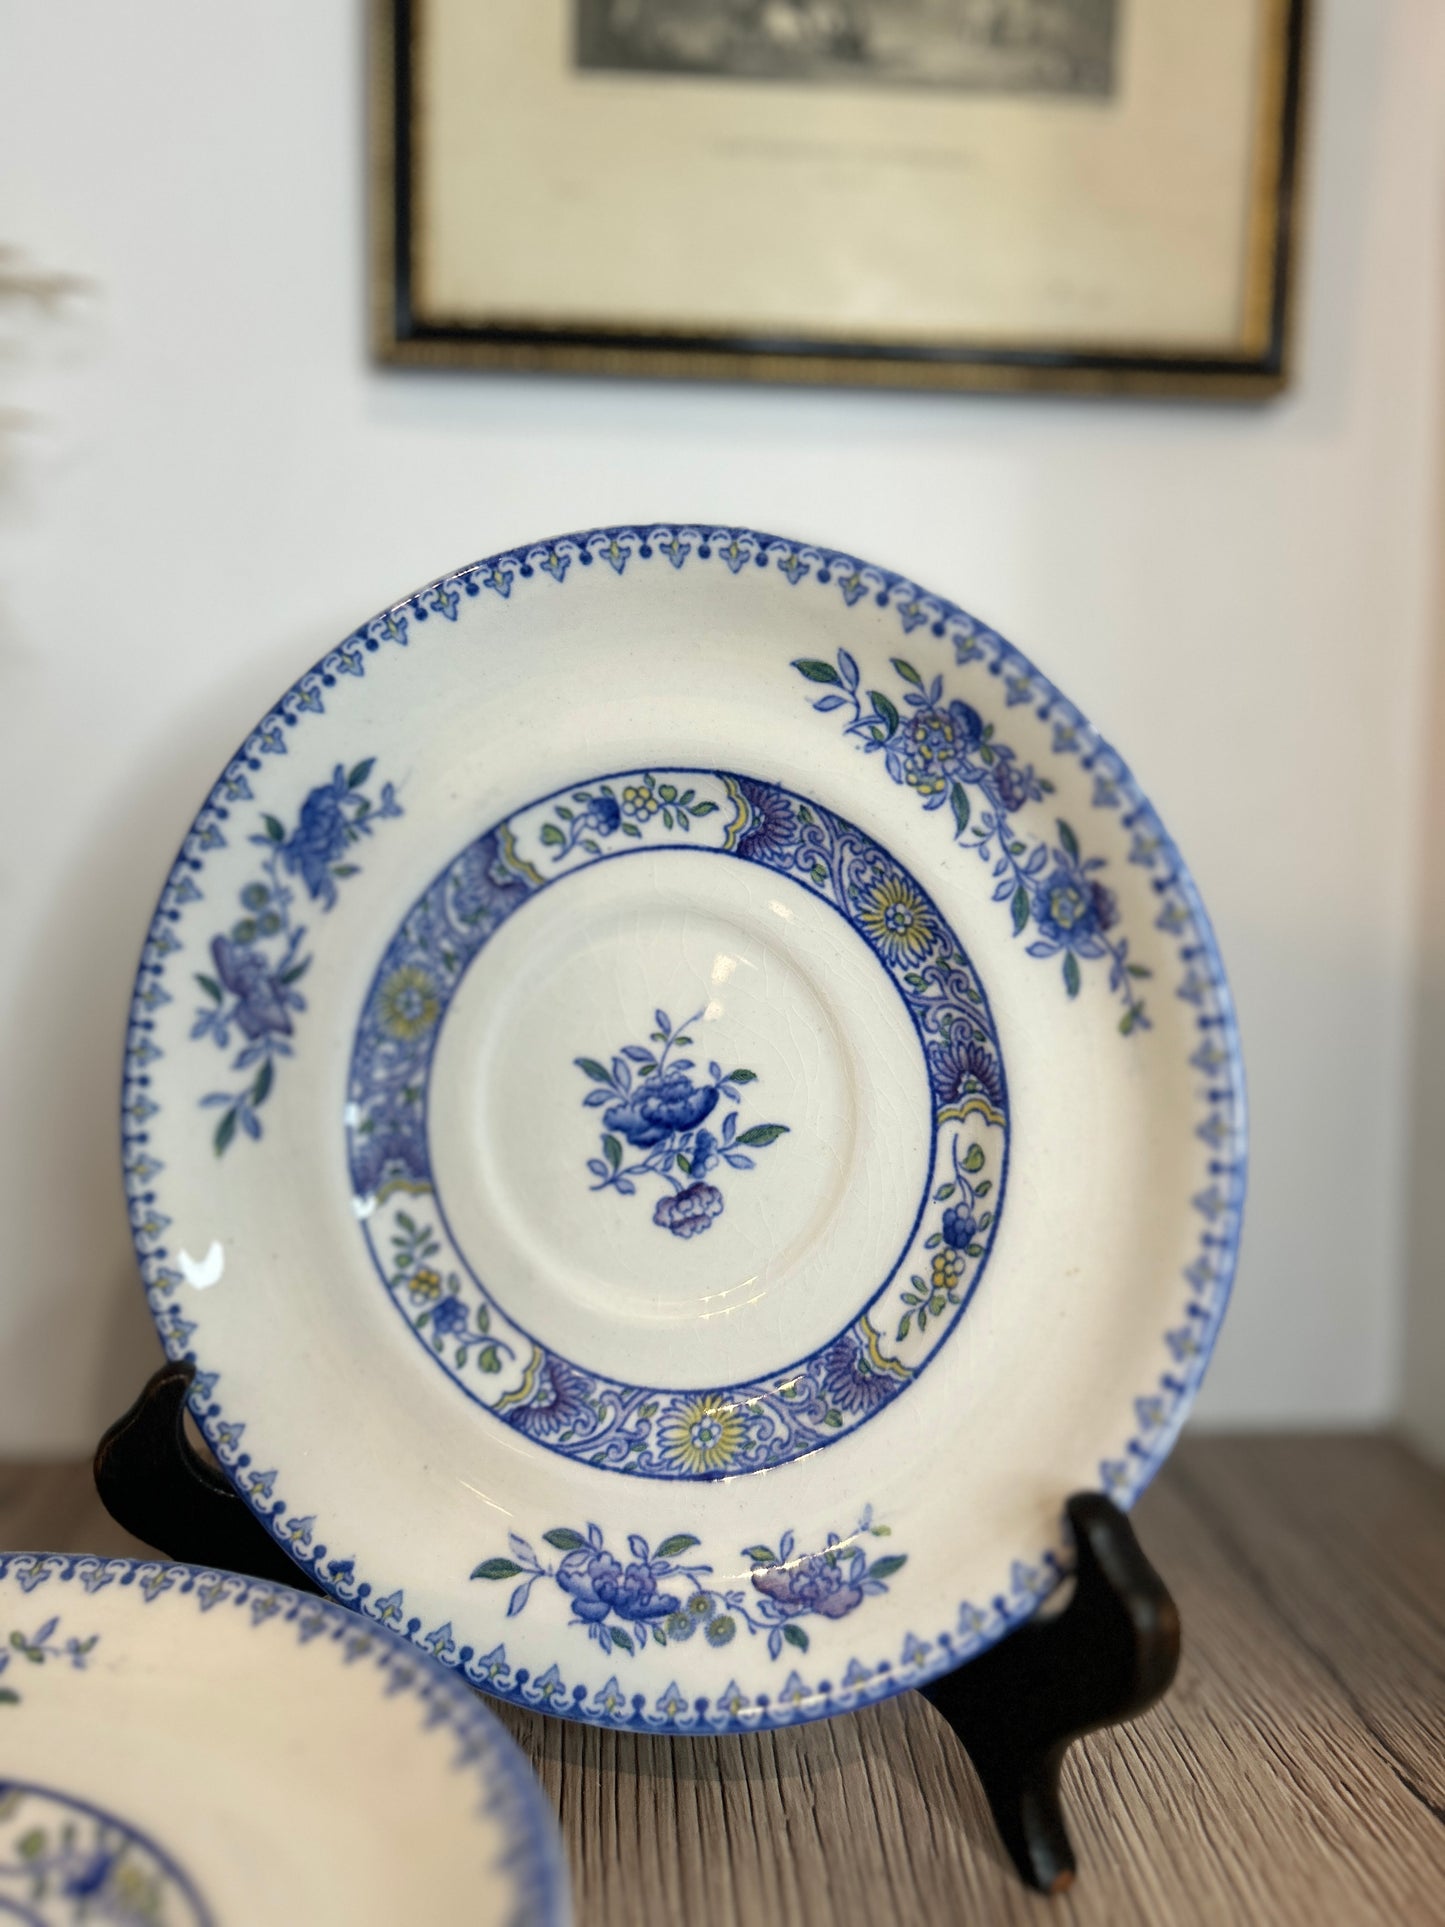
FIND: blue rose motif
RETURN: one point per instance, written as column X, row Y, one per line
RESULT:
column 813, row 1584
column 967, row 721
column 1013, row 784
column 690, row 1212
column 932, row 746
column 590, row 1580
column 260, row 1000
column 603, row 814
column 960, row 1227
column 597, row 1584
column 1071, row 910
column 320, row 838
column 655, row 1110
column 450, row 1318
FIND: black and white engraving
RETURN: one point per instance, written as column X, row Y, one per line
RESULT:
column 987, row 46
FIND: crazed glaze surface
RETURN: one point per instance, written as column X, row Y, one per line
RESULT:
column 505, row 1324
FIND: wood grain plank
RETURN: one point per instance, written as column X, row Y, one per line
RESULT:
column 1343, row 1540
column 1291, row 1775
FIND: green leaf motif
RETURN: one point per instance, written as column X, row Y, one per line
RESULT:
column 496, row 1569
column 564, row 1539
column 1071, row 974
column 974, row 1160
column 908, row 672
column 795, row 1636
column 274, row 829
column 816, row 671
column 593, row 1069
column 884, row 710
column 761, row 1555
column 1020, row 908
column 885, row 1568
column 360, row 772
column 1068, row 839
column 678, row 1543
column 620, row 1638
column 741, row 1077
column 225, row 1131
column 761, row 1134
column 612, row 1149
column 958, row 796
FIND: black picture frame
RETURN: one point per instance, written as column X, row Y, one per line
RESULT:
column 405, row 335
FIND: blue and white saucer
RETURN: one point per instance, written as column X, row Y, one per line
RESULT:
column 681, row 1099
column 181, row 1748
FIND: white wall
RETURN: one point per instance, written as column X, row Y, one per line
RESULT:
column 1423, row 1386
column 212, row 485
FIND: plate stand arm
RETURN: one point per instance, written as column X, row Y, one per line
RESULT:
column 1016, row 1708
column 154, row 1483
column 1103, row 1658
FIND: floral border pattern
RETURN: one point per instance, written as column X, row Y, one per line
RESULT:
column 623, row 1607
column 1219, row 1114
column 942, row 751
column 259, row 961
column 36, row 1648
column 510, row 1795
column 707, row 1432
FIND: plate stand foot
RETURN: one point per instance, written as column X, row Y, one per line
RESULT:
column 1017, row 1708
column 154, row 1483
column 1103, row 1658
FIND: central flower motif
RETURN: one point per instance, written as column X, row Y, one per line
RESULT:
column 654, row 1111
column 651, row 1103
column 705, row 1435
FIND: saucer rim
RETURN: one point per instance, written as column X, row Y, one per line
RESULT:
column 1124, row 1475
column 531, row 1848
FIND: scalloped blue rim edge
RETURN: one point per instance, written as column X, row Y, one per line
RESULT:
column 511, row 1794
column 1160, row 1414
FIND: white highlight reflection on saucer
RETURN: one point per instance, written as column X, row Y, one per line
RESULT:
column 202, row 1273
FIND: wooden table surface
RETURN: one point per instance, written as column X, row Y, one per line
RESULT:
column 1296, row 1772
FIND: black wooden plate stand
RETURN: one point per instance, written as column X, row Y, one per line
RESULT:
column 1017, row 1708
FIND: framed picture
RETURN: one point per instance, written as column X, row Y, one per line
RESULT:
column 997, row 194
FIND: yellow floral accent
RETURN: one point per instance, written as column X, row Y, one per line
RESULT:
column 897, row 919
column 408, row 1005
column 640, row 800
column 947, row 1268
column 703, row 1436
column 425, row 1284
